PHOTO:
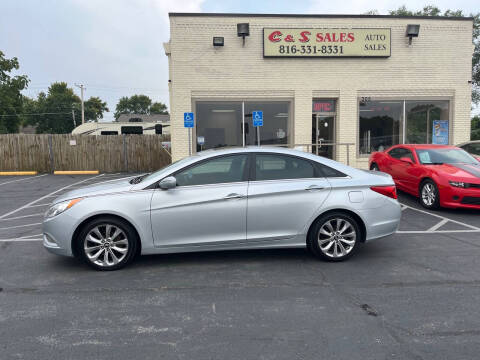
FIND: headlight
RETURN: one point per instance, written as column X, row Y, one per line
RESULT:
column 459, row 184
column 61, row 207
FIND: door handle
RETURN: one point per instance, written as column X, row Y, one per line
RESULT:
column 314, row 188
column 234, row 196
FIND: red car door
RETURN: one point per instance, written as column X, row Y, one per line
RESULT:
column 407, row 172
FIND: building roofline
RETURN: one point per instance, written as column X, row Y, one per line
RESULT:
column 334, row 16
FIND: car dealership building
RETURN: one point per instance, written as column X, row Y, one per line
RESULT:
column 353, row 84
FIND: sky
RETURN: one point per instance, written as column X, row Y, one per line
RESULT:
column 115, row 47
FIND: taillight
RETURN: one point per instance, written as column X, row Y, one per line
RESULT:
column 390, row 190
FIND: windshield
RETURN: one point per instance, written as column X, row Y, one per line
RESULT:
column 165, row 168
column 444, row 156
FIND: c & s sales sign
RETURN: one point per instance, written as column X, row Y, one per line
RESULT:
column 326, row 42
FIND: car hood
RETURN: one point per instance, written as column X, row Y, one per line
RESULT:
column 466, row 171
column 107, row 187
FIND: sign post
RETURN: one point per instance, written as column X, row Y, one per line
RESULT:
column 189, row 122
column 257, row 117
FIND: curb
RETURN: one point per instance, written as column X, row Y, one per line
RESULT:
column 77, row 172
column 7, row 173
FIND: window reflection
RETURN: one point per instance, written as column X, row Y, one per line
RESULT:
column 420, row 117
column 380, row 125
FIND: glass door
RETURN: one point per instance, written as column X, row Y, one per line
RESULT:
column 323, row 132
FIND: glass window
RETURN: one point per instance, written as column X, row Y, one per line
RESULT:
column 223, row 169
column 329, row 172
column 275, row 129
column 420, row 116
column 399, row 153
column 473, row 148
column 276, row 167
column 380, row 125
column 219, row 123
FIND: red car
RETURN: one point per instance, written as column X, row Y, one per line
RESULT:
column 440, row 175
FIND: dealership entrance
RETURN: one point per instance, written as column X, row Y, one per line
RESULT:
column 323, row 127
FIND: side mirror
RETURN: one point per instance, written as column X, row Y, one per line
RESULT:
column 168, row 183
column 407, row 160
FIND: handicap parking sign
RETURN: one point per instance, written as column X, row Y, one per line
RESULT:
column 257, row 117
column 188, row 121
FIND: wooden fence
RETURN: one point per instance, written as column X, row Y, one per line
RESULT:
column 113, row 153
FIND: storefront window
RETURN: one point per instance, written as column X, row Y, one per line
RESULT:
column 220, row 124
column 421, row 116
column 275, row 123
column 380, row 125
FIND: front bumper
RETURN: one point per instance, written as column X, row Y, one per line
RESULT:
column 453, row 197
column 57, row 234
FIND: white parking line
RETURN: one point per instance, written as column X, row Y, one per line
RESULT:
column 40, row 205
column 45, row 196
column 22, row 179
column 20, row 226
column 439, row 225
column 434, row 228
column 21, row 217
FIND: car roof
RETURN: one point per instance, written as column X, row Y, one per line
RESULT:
column 426, row 146
column 249, row 149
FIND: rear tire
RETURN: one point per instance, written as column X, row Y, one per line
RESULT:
column 334, row 237
column 374, row 167
column 107, row 243
column 429, row 195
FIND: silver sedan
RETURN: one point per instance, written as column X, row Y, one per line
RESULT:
column 248, row 198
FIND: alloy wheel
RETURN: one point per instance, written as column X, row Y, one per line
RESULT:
column 106, row 245
column 337, row 237
column 428, row 194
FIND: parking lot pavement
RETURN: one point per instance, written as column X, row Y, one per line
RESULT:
column 413, row 295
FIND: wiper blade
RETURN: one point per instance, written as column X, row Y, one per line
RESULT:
column 138, row 179
column 434, row 163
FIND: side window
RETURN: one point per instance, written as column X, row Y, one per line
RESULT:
column 475, row 148
column 219, row 170
column 329, row 172
column 408, row 154
column 395, row 153
column 277, row 167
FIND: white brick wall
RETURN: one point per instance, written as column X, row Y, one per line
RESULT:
column 437, row 65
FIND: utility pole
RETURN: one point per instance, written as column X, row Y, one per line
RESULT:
column 82, row 87
column 73, row 116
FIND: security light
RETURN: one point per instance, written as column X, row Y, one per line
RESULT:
column 412, row 31
column 218, row 41
column 243, row 29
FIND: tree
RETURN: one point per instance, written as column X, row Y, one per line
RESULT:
column 475, row 133
column 94, row 108
column 431, row 10
column 54, row 109
column 158, row 108
column 11, row 99
column 138, row 104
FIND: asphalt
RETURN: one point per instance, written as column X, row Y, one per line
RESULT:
column 413, row 295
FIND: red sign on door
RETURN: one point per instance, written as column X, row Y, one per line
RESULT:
column 323, row 106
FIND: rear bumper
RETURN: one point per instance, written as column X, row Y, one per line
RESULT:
column 384, row 221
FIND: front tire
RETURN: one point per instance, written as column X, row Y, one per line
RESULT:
column 334, row 237
column 107, row 243
column 429, row 195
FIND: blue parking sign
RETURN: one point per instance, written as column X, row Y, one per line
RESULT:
column 188, row 120
column 257, row 117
